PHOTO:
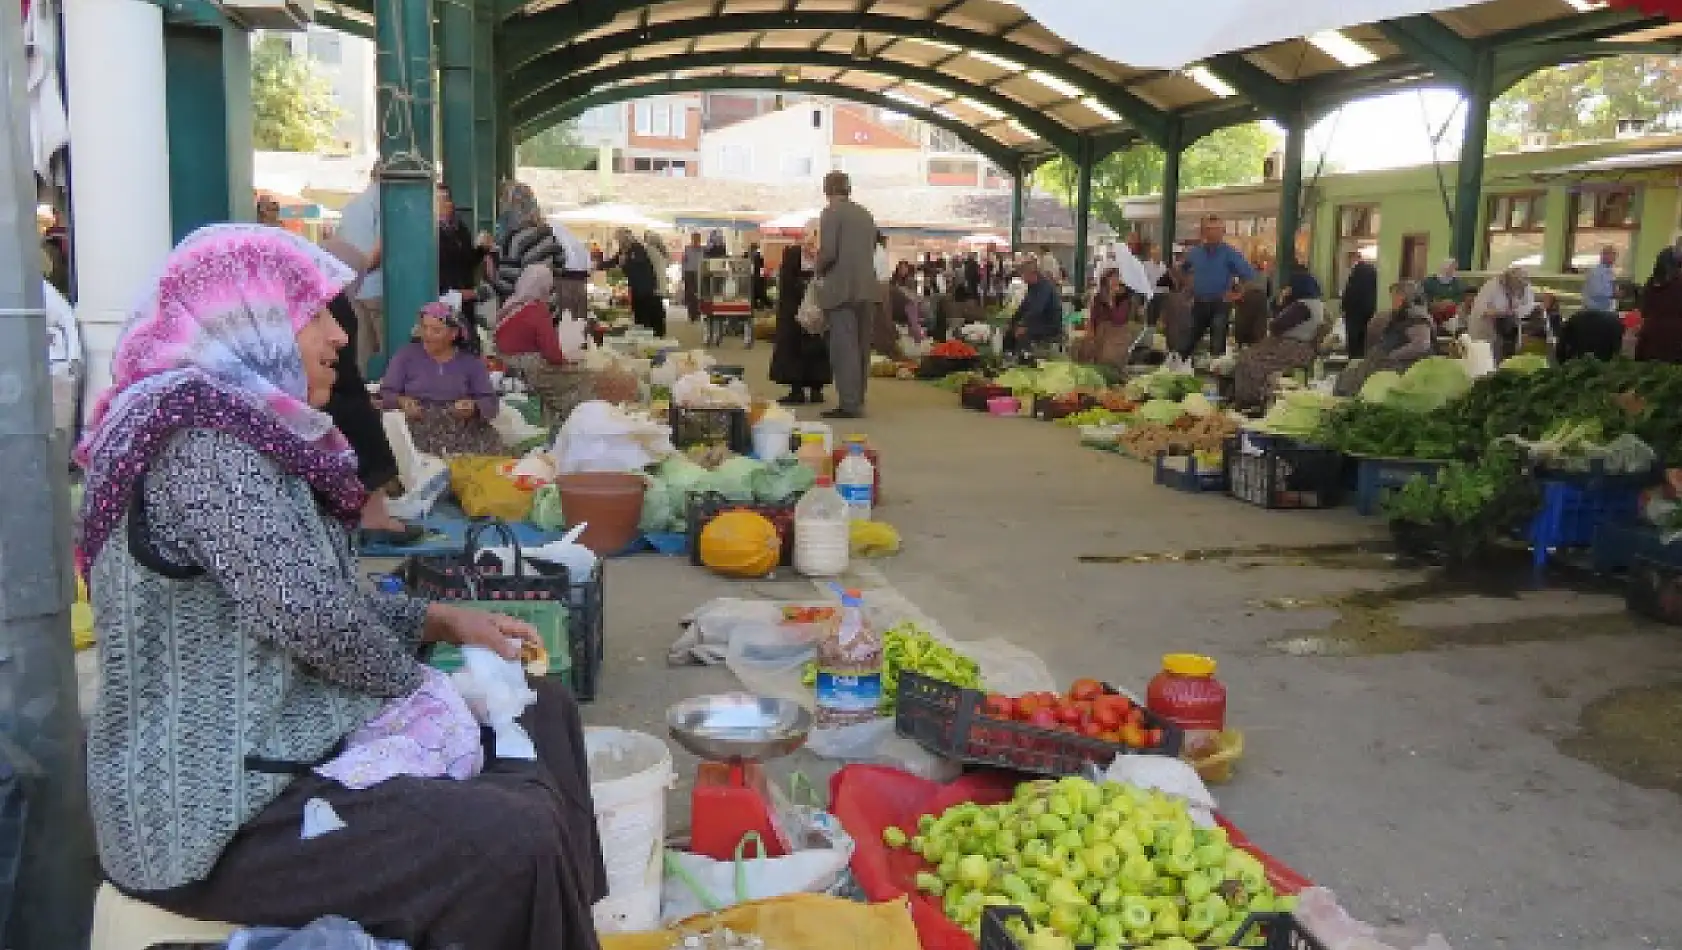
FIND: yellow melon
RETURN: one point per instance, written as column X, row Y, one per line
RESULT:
column 740, row 544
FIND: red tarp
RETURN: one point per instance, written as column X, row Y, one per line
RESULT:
column 1664, row 8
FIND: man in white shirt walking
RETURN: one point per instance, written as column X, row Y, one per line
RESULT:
column 357, row 243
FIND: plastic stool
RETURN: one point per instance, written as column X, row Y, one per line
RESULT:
column 123, row 923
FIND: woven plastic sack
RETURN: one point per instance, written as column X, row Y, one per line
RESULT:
column 484, row 492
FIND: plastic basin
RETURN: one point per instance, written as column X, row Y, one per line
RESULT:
column 610, row 503
column 1004, row 406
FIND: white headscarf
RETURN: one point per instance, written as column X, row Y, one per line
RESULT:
column 536, row 282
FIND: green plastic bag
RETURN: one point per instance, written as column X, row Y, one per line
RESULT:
column 546, row 509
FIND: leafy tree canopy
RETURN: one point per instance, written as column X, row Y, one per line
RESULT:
column 292, row 104
column 555, row 147
column 1584, row 101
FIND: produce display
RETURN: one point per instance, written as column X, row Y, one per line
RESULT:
column 1101, row 865
column 907, row 646
column 1623, row 396
column 953, row 382
column 954, row 350
column 1097, row 416
column 1468, row 506
column 1054, row 378
column 1576, row 446
column 1087, row 708
column 1186, row 435
column 714, row 469
column 1297, row 414
column 1164, row 384
column 1359, row 427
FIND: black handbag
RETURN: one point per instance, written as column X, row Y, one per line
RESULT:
column 475, row 575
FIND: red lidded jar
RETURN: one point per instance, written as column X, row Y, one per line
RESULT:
column 1187, row 694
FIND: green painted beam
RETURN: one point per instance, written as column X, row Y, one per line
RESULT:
column 408, row 230
column 1290, row 198
column 1000, row 154
column 1424, row 38
column 352, row 26
column 484, row 115
column 528, row 40
column 456, row 102
column 1468, row 197
column 570, row 86
column 1173, row 151
column 1018, row 186
column 1083, row 215
column 1274, row 98
column 1591, row 25
column 1514, row 63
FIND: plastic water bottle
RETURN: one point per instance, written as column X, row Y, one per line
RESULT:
column 822, row 532
column 849, row 682
column 855, row 479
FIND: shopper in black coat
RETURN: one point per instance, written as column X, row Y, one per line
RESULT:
column 1360, row 302
column 799, row 360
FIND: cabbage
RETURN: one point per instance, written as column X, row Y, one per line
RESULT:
column 1297, row 413
column 680, row 474
column 657, row 507
column 1018, row 380
column 781, row 479
column 1377, row 387
column 1525, row 363
column 1059, row 378
column 1159, row 411
column 1197, row 406
column 733, row 478
column 1430, row 384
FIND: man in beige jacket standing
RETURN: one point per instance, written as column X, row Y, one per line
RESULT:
column 847, row 289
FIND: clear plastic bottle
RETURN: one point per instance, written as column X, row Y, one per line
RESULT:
column 813, row 455
column 822, row 531
column 855, row 479
column 849, row 683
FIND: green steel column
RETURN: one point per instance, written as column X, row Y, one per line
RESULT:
column 1468, row 196
column 408, row 233
column 1083, row 214
column 1018, row 185
column 1172, row 148
column 505, row 141
column 1290, row 198
column 455, row 110
column 484, row 114
column 196, row 102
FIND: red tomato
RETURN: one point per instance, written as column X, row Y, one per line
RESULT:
column 1121, row 704
column 999, row 706
column 1092, row 731
column 1133, row 736
column 1086, row 689
column 1112, row 737
column 1026, row 706
column 1086, row 709
column 1108, row 717
column 1043, row 719
column 1136, row 717
column 1069, row 714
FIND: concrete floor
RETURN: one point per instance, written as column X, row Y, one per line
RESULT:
column 1423, row 784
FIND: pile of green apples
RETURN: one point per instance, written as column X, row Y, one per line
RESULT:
column 1092, row 865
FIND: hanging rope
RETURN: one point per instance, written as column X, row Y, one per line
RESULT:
column 399, row 104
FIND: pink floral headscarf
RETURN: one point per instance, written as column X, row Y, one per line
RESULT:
column 213, row 345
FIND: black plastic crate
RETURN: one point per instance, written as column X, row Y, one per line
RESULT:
column 1281, row 931
column 947, row 720
column 940, row 367
column 1284, row 474
column 1051, row 408
column 703, row 507
column 1655, row 590
column 974, row 395
column 726, row 426
column 1191, row 478
column 587, row 632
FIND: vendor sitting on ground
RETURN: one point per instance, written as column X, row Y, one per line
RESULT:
column 1108, row 338
column 444, row 391
column 1395, row 340
column 953, row 310
column 247, row 677
column 527, row 342
column 1292, row 342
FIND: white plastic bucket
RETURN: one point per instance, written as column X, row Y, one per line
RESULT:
column 770, row 440
column 629, row 775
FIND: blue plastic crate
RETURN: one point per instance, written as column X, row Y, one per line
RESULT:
column 1375, row 476
column 668, row 543
column 1619, row 544
column 1191, row 478
column 1572, row 513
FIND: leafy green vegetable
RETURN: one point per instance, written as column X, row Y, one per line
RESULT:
column 1380, row 431
column 1467, row 507
column 1159, row 411
column 1377, row 387
column 1429, row 384
column 1298, row 413
column 1525, row 363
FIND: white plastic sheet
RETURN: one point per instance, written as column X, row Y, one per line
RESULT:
column 599, row 437
column 1157, row 37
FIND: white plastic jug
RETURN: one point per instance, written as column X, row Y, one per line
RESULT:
column 771, row 439
column 822, row 532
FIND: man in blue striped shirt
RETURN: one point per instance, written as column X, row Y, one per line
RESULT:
column 1217, row 269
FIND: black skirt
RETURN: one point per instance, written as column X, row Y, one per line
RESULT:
column 353, row 411
column 798, row 358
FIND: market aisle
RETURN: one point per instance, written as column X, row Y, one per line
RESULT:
column 1419, row 777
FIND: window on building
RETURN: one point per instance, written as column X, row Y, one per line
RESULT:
column 603, row 119
column 661, row 120
column 1357, row 237
column 735, row 159
column 643, row 118
column 817, row 118
column 1601, row 218
column 1514, row 233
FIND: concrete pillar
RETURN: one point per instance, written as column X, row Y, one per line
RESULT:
column 1468, row 196
column 1083, row 215
column 408, row 229
column 455, row 107
column 1017, row 185
column 1172, row 149
column 484, row 114
column 119, row 154
column 1290, row 198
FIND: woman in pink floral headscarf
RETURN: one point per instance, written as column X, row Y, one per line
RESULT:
column 246, row 676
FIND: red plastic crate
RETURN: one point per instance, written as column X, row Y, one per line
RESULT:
column 869, row 798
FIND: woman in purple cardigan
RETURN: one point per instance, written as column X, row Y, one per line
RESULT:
column 443, row 390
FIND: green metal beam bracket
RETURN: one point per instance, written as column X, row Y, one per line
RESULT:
column 1274, row 98
column 531, row 39
column 1001, row 155
column 1468, row 197
column 1172, row 150
column 408, row 229
column 570, row 85
column 1018, row 185
column 1290, row 198
column 1424, row 38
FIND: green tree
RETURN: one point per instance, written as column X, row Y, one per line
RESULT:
column 1584, row 101
column 292, row 104
column 558, row 146
column 1230, row 156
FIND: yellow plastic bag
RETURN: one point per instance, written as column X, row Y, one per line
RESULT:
column 802, row 921
column 1216, row 763
column 873, row 539
column 484, row 492
column 81, row 618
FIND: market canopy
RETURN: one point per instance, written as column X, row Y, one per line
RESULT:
column 612, row 215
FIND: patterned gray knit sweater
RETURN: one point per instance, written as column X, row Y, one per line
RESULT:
column 271, row 652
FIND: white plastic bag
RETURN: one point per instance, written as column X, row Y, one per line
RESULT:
column 696, row 883
column 600, row 437
column 574, row 332
column 496, row 691
column 512, row 427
